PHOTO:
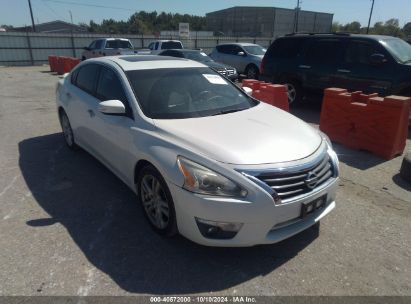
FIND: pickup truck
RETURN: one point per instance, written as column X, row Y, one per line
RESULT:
column 108, row 47
column 158, row 46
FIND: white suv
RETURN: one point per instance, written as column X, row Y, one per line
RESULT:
column 204, row 158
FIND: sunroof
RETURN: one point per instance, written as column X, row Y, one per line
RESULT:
column 137, row 58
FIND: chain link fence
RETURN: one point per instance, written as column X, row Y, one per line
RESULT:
column 19, row 48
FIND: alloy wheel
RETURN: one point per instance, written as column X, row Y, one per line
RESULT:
column 154, row 201
column 291, row 92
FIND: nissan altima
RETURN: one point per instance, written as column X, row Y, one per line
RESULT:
column 204, row 158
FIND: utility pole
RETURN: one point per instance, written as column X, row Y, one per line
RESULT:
column 297, row 14
column 32, row 19
column 369, row 20
column 71, row 16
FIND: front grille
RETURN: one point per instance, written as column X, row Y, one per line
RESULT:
column 230, row 72
column 223, row 72
column 288, row 185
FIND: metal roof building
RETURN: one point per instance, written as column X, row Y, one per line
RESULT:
column 267, row 21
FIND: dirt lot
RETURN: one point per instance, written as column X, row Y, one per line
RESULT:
column 70, row 227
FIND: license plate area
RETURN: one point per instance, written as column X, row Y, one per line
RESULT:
column 311, row 207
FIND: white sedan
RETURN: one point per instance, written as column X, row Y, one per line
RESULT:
column 205, row 159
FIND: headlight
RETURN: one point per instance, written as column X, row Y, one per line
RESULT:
column 326, row 138
column 200, row 179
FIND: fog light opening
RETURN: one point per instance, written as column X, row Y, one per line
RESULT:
column 218, row 230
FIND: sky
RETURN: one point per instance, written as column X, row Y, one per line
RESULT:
column 16, row 12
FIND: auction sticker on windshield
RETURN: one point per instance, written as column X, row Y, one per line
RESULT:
column 215, row 79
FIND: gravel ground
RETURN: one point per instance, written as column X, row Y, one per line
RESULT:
column 70, row 227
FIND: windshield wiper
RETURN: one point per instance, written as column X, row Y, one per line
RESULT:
column 229, row 111
column 407, row 61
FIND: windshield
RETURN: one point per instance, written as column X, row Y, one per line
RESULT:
column 185, row 93
column 400, row 49
column 197, row 56
column 118, row 44
column 168, row 45
column 255, row 49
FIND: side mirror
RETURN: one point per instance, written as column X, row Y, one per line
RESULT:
column 241, row 54
column 112, row 107
column 248, row 90
column 377, row 59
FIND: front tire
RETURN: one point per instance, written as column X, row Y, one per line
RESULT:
column 251, row 72
column 156, row 201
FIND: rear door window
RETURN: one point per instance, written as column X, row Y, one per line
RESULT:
column 171, row 45
column 225, row 49
column 87, row 77
column 285, row 48
column 323, row 52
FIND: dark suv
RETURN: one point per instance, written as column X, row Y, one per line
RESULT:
column 313, row 62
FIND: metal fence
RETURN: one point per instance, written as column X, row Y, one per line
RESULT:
column 18, row 48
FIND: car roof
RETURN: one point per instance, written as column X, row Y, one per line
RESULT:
column 239, row 44
column 111, row 38
column 335, row 35
column 148, row 62
column 184, row 50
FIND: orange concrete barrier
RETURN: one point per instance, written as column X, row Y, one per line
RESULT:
column 368, row 122
column 60, row 65
column 74, row 62
column 53, row 63
column 273, row 94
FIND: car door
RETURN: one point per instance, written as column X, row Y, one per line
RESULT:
column 356, row 72
column 113, row 138
column 80, row 103
column 238, row 59
column 319, row 65
column 222, row 53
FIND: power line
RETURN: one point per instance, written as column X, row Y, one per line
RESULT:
column 91, row 5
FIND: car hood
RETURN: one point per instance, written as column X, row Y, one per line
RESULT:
column 260, row 135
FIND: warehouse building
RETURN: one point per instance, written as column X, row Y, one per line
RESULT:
column 267, row 21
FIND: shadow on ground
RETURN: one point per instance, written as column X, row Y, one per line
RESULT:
column 105, row 221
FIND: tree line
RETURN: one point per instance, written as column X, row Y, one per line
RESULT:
column 390, row 27
column 147, row 23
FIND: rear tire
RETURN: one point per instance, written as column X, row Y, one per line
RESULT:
column 156, row 201
column 67, row 131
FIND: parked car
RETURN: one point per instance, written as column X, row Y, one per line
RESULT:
column 245, row 57
column 202, row 57
column 108, row 47
column 159, row 45
column 204, row 158
column 368, row 63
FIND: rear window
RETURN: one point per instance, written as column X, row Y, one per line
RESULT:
column 285, row 48
column 171, row 45
column 118, row 44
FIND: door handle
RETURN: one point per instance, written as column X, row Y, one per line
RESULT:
column 68, row 94
column 343, row 71
column 304, row 66
column 91, row 113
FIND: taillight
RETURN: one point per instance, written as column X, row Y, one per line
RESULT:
column 262, row 66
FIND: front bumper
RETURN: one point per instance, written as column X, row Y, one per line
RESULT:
column 258, row 216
